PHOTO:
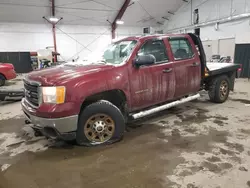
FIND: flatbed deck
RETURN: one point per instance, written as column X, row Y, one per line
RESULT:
column 218, row 68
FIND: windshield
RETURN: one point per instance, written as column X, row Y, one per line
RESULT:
column 115, row 53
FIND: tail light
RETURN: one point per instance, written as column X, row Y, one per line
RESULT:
column 239, row 69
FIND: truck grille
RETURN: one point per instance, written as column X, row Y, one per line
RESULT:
column 31, row 93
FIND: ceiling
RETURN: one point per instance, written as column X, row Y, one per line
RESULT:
column 89, row 12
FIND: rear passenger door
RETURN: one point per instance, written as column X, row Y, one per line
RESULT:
column 186, row 65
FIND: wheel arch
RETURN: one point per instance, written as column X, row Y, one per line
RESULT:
column 231, row 76
column 116, row 96
column 1, row 74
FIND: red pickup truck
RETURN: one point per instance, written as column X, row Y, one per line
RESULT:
column 7, row 72
column 91, row 101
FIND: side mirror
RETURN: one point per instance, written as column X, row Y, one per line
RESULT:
column 144, row 60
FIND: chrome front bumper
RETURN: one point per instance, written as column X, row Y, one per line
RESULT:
column 61, row 126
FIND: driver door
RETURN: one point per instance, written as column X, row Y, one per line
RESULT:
column 152, row 84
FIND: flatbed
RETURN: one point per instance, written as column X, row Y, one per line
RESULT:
column 219, row 68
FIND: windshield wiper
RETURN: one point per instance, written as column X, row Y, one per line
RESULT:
column 103, row 61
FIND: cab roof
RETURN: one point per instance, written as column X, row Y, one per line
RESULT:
column 146, row 37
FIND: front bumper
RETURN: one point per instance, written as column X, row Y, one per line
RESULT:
column 62, row 128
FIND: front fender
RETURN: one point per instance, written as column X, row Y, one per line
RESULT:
column 115, row 79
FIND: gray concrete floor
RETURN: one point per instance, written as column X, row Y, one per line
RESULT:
column 196, row 145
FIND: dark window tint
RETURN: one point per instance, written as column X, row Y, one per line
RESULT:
column 155, row 48
column 181, row 49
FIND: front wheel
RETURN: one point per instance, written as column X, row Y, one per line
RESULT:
column 219, row 89
column 100, row 123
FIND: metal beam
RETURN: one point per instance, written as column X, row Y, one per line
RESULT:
column 54, row 40
column 54, row 29
column 53, row 7
column 119, row 16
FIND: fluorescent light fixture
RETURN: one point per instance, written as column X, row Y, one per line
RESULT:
column 120, row 22
column 53, row 19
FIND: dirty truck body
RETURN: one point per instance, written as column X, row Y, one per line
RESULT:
column 137, row 76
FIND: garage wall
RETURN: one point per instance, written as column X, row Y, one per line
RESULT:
column 223, row 47
column 210, row 10
column 226, row 47
column 208, row 48
column 71, row 39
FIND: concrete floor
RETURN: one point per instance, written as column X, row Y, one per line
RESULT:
column 199, row 144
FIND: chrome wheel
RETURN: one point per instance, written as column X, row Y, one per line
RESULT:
column 223, row 89
column 99, row 128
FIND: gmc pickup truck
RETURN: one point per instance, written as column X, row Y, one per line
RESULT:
column 91, row 101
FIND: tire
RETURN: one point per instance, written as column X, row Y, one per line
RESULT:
column 217, row 93
column 103, row 115
column 2, row 80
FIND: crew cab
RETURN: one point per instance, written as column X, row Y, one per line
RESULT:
column 91, row 101
column 7, row 72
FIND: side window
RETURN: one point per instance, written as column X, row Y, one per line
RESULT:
column 181, row 48
column 156, row 48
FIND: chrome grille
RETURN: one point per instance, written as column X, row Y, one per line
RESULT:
column 31, row 93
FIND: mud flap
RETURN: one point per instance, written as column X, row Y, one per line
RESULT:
column 232, row 81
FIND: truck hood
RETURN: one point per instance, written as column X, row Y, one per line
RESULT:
column 6, row 65
column 64, row 73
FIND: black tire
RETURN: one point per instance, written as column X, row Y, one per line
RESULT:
column 215, row 93
column 2, row 80
column 100, row 107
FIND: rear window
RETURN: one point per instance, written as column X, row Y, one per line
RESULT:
column 181, row 48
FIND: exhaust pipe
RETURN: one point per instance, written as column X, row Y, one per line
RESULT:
column 164, row 107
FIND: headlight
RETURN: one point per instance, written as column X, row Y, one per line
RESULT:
column 54, row 95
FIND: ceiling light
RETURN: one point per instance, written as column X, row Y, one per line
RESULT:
column 53, row 19
column 120, row 22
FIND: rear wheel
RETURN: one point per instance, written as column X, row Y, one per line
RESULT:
column 100, row 123
column 2, row 80
column 219, row 89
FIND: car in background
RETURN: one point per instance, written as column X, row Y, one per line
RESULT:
column 7, row 72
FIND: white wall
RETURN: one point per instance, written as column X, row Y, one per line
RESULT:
column 210, row 10
column 32, row 37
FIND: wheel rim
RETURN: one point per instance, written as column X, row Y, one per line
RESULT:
column 223, row 89
column 99, row 128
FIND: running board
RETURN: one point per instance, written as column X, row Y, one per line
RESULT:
column 164, row 107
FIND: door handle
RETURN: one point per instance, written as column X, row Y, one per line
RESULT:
column 167, row 70
column 195, row 64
